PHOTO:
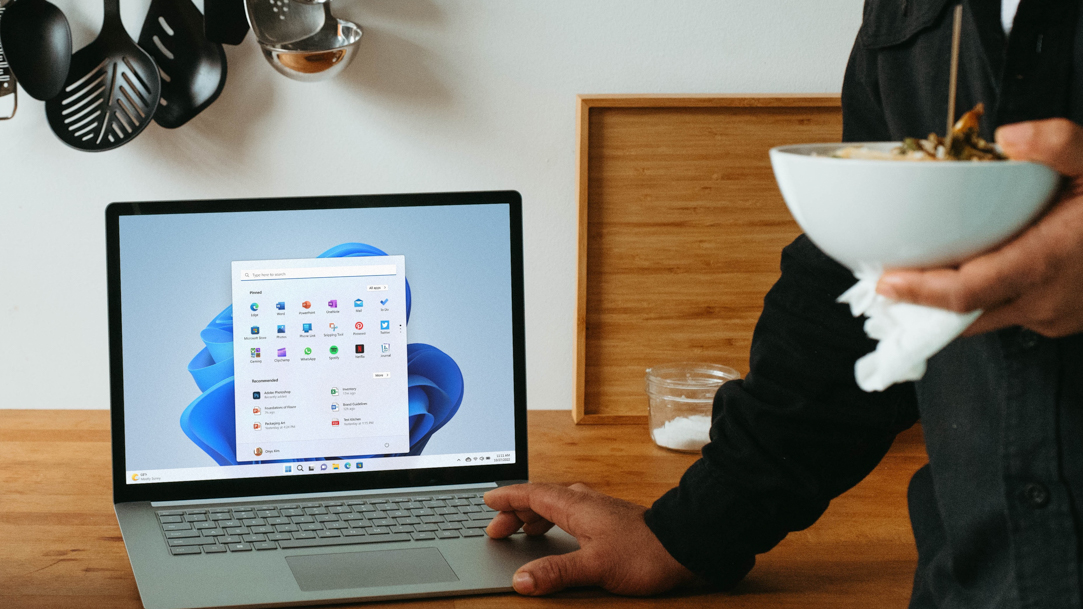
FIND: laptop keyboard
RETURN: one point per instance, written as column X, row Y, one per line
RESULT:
column 216, row 530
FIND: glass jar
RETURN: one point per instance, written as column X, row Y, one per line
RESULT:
column 681, row 397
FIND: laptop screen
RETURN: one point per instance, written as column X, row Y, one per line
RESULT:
column 364, row 335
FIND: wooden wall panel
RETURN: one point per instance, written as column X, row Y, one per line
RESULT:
column 681, row 225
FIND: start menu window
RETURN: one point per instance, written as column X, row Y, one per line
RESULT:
column 319, row 349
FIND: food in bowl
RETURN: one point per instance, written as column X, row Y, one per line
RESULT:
column 964, row 144
column 870, row 213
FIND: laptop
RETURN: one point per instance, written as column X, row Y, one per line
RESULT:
column 311, row 395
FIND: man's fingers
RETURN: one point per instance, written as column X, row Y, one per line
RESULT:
column 503, row 525
column 554, row 573
column 975, row 285
column 995, row 319
column 507, row 523
column 538, row 527
column 549, row 501
column 583, row 488
column 1055, row 142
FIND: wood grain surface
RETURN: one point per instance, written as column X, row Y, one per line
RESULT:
column 681, row 226
column 60, row 545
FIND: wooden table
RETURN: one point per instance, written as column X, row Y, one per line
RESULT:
column 60, row 545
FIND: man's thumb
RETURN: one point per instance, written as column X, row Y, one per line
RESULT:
column 554, row 573
column 1055, row 142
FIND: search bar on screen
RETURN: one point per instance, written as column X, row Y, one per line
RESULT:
column 323, row 272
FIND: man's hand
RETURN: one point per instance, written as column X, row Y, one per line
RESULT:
column 617, row 550
column 1034, row 280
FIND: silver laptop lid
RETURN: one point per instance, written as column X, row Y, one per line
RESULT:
column 283, row 346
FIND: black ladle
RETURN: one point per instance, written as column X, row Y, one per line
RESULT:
column 111, row 92
column 193, row 69
column 37, row 39
column 226, row 21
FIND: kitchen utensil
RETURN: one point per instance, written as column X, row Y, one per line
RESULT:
column 278, row 22
column 956, row 36
column 892, row 214
column 193, row 69
column 111, row 92
column 8, row 85
column 225, row 21
column 37, row 38
column 318, row 57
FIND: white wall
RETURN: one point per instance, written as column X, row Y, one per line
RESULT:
column 444, row 95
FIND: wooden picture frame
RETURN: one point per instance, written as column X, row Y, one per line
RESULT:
column 680, row 229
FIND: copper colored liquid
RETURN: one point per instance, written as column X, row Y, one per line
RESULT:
column 311, row 63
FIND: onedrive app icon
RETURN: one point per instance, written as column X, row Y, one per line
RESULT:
column 385, row 325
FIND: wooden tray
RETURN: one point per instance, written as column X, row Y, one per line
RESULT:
column 680, row 229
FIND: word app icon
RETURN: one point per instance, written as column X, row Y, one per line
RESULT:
column 306, row 305
column 359, row 303
column 385, row 325
column 332, row 304
column 306, row 327
column 332, row 326
column 281, row 306
column 359, row 326
column 254, row 306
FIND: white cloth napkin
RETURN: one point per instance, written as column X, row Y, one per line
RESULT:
column 909, row 334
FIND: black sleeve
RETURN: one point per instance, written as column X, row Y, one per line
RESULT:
column 862, row 109
column 793, row 435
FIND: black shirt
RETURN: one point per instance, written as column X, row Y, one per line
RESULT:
column 996, row 513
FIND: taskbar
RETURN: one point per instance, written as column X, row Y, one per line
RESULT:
column 306, row 468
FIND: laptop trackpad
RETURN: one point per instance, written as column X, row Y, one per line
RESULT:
column 368, row 569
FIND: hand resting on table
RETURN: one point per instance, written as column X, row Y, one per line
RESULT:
column 617, row 550
column 1036, row 279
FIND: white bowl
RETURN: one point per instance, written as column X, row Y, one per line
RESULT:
column 907, row 213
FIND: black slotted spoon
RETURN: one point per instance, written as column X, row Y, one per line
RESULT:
column 193, row 69
column 111, row 92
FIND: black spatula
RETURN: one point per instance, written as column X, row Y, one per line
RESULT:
column 227, row 22
column 111, row 92
column 193, row 69
column 37, row 38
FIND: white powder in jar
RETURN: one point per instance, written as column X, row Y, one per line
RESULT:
column 684, row 433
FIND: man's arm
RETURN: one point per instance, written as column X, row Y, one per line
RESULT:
column 794, row 434
column 1035, row 280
